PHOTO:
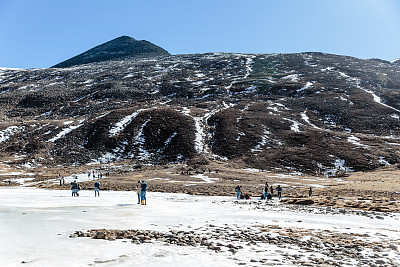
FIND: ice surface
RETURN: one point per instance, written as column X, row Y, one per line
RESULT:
column 36, row 224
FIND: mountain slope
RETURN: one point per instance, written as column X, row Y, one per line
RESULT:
column 298, row 112
column 119, row 48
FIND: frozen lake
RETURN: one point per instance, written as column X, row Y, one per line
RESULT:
column 35, row 226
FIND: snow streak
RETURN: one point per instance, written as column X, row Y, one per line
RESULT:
column 66, row 131
column 120, row 126
column 140, row 140
column 307, row 120
column 167, row 142
column 10, row 131
column 295, row 126
column 264, row 140
column 354, row 140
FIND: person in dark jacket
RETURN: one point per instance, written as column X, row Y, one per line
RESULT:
column 74, row 188
column 143, row 193
column 279, row 190
column 266, row 190
column 96, row 189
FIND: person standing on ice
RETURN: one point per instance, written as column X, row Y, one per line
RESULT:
column 238, row 191
column 310, row 192
column 139, row 191
column 96, row 189
column 74, row 188
column 143, row 193
column 279, row 190
column 266, row 190
column 272, row 191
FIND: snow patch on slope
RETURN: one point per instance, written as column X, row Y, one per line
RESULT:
column 355, row 141
column 66, row 131
column 308, row 85
column 295, row 127
column 305, row 117
column 264, row 140
column 378, row 100
column 140, row 141
column 10, row 131
column 120, row 126
column 292, row 77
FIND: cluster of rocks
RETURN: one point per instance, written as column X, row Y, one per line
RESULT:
column 179, row 238
column 286, row 244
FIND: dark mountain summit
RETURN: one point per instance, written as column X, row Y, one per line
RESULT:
column 117, row 49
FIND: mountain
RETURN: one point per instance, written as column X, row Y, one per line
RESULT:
column 288, row 112
column 397, row 61
column 119, row 48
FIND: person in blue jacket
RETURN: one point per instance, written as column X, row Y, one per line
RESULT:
column 238, row 191
column 143, row 193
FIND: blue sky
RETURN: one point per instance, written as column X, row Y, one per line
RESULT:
column 41, row 33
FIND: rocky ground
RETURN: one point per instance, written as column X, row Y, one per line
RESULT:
column 312, row 247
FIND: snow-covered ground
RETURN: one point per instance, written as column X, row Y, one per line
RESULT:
column 36, row 225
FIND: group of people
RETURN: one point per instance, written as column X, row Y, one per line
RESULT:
column 99, row 175
column 268, row 192
column 76, row 187
column 141, row 189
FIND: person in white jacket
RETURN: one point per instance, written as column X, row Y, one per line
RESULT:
column 139, row 191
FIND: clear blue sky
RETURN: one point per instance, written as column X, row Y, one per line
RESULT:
column 41, row 33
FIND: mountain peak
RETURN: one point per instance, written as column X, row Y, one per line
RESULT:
column 122, row 47
column 396, row 61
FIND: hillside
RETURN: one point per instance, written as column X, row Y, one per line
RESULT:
column 286, row 112
column 117, row 49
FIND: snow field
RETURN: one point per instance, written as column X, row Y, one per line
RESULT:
column 36, row 225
